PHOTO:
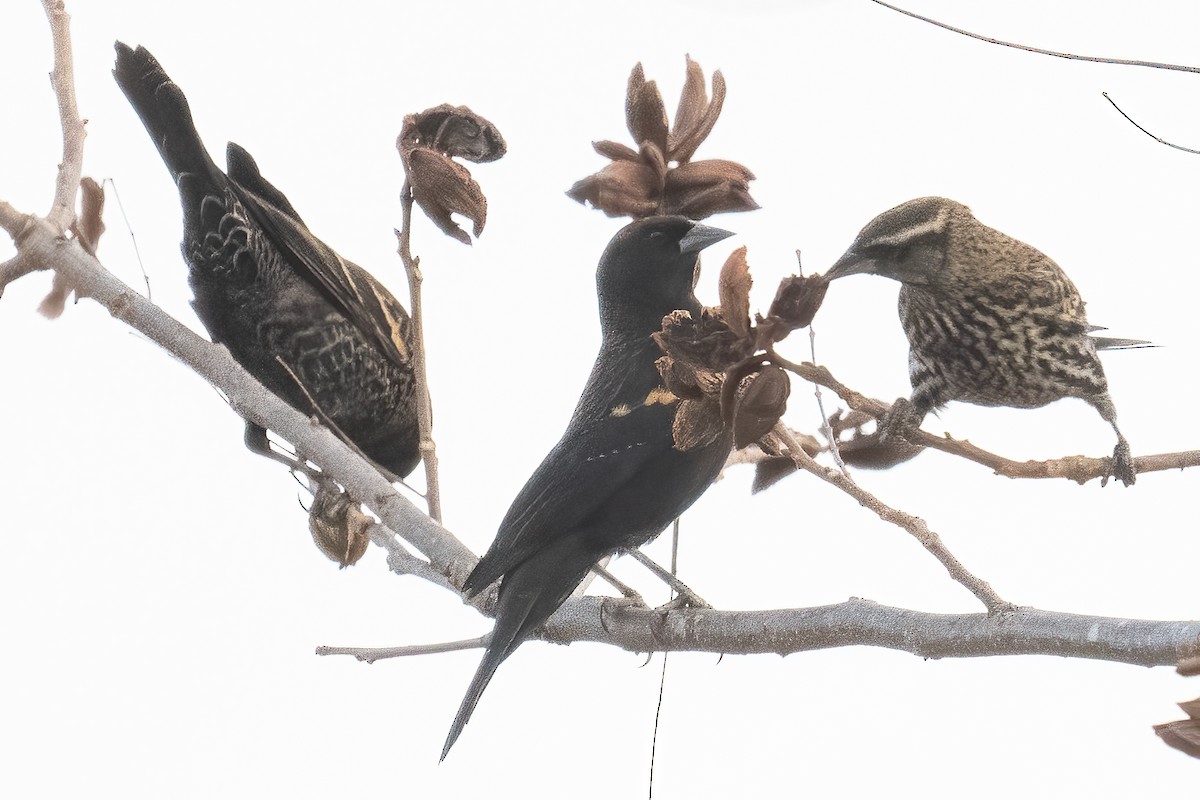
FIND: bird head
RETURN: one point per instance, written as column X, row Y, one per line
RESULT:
column 647, row 270
column 906, row 243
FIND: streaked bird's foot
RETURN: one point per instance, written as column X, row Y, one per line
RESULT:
column 1122, row 467
column 901, row 420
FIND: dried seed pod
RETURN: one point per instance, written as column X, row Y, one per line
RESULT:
column 761, row 401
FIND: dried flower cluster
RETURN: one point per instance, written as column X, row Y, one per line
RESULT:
column 428, row 144
column 659, row 177
column 720, row 364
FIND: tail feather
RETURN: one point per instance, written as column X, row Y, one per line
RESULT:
column 164, row 110
column 1110, row 343
column 510, row 623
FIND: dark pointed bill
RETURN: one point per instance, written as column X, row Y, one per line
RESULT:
column 851, row 263
column 700, row 237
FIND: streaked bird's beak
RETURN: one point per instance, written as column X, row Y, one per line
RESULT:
column 700, row 237
column 851, row 263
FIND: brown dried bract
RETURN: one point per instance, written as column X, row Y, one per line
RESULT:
column 428, row 143
column 706, row 343
column 796, row 303
column 697, row 423
column 659, row 177
column 761, row 400
column 733, row 288
column 338, row 526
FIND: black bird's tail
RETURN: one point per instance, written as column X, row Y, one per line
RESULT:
column 505, row 639
column 164, row 111
column 529, row 594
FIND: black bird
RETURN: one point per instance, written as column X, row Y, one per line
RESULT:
column 989, row 319
column 314, row 328
column 615, row 479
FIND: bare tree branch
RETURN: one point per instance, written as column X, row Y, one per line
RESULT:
column 856, row 622
column 70, row 171
column 1027, row 48
column 1158, row 139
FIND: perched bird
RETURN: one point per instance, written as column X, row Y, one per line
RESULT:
column 989, row 319
column 615, row 479
column 314, row 328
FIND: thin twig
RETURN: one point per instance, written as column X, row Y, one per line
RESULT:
column 1027, row 48
column 133, row 238
column 914, row 525
column 412, row 267
column 1158, row 139
column 373, row 654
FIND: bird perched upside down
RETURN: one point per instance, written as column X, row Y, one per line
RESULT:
column 989, row 319
column 314, row 328
column 615, row 479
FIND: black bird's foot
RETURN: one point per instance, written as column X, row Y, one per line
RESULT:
column 614, row 605
column 257, row 442
column 687, row 599
column 1122, row 467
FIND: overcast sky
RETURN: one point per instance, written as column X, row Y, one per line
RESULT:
column 161, row 594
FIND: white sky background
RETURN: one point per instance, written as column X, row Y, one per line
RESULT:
column 161, row 594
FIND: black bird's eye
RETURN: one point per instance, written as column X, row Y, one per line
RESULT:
column 656, row 235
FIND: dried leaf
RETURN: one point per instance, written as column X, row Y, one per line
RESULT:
column 55, row 301
column 733, row 288
column 697, row 423
column 338, row 526
column 693, row 101
column 456, row 131
column 615, row 150
column 623, row 188
column 1191, row 708
column 1189, row 666
column 1183, row 735
column 91, row 215
column 707, row 173
column 686, row 147
column 645, row 114
column 770, row 472
column 760, row 404
column 796, row 302
column 442, row 187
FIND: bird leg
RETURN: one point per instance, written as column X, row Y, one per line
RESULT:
column 257, row 442
column 1122, row 461
column 686, row 599
column 901, row 419
column 631, row 596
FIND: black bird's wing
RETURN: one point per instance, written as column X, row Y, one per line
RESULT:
column 591, row 463
column 350, row 289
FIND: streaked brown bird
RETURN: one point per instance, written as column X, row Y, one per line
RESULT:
column 314, row 328
column 989, row 319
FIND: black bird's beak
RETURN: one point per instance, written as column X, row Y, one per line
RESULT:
column 851, row 263
column 700, row 237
